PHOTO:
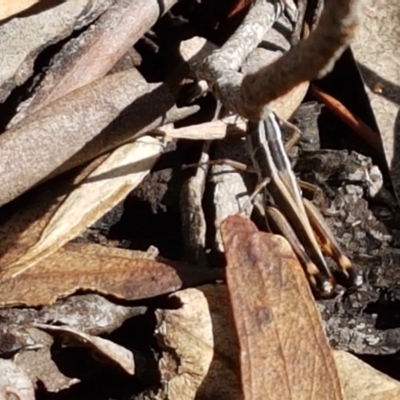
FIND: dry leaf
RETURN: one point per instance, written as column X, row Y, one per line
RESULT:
column 103, row 347
column 14, row 383
column 104, row 188
column 21, row 39
column 362, row 382
column 39, row 365
column 78, row 127
column 199, row 346
column 89, row 313
column 284, row 351
column 91, row 55
column 24, row 228
column 377, row 52
column 111, row 271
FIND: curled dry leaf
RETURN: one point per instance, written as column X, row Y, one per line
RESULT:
column 37, row 361
column 89, row 313
column 14, row 383
column 21, row 39
column 362, row 382
column 96, row 50
column 24, row 228
column 103, row 347
column 284, row 351
column 111, row 271
column 104, row 188
column 199, row 347
column 79, row 126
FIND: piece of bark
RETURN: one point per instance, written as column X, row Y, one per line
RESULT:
column 95, row 51
column 103, row 189
column 22, row 39
column 14, row 382
column 110, row 271
column 272, row 304
column 199, row 347
column 80, row 126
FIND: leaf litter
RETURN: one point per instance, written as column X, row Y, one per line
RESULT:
column 260, row 335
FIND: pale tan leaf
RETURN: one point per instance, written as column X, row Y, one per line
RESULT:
column 121, row 273
column 104, row 188
column 107, row 349
column 285, row 353
column 9, row 8
column 199, row 347
column 14, row 383
column 362, row 382
column 376, row 49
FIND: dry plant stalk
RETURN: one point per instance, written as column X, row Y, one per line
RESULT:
column 313, row 58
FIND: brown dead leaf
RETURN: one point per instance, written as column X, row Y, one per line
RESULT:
column 14, row 383
column 284, row 351
column 103, row 347
column 111, row 271
column 199, row 347
column 362, row 382
column 104, row 188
